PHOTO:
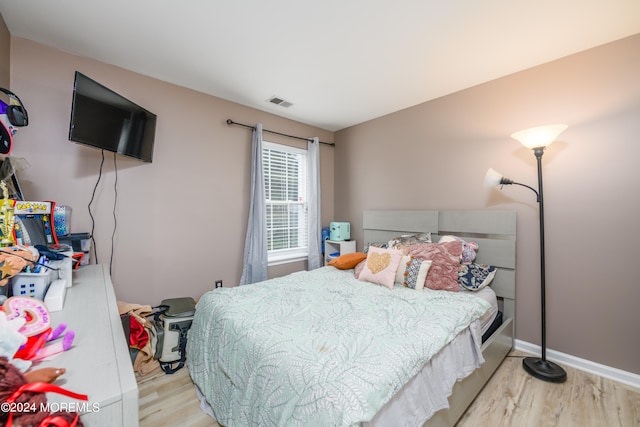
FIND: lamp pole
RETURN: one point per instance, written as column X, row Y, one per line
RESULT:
column 543, row 301
column 541, row 368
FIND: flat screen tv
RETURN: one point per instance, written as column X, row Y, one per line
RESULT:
column 103, row 119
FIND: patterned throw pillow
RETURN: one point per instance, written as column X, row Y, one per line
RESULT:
column 381, row 266
column 445, row 257
column 381, row 245
column 412, row 272
column 469, row 249
column 403, row 242
column 474, row 277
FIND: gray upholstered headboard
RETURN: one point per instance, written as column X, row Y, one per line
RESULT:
column 493, row 230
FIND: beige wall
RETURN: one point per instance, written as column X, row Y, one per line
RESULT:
column 181, row 220
column 5, row 51
column 435, row 155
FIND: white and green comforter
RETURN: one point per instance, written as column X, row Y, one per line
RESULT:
column 316, row 348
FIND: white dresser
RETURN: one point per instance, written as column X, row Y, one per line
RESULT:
column 98, row 364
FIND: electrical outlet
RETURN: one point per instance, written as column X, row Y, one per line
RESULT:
column 218, row 284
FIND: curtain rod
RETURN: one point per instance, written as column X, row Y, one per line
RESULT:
column 231, row 122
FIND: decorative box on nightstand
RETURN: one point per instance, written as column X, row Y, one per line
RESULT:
column 333, row 249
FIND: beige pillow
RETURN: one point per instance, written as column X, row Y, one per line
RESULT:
column 412, row 272
column 381, row 266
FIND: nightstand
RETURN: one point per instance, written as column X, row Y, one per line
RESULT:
column 341, row 247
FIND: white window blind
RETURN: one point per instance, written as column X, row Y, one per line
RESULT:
column 285, row 182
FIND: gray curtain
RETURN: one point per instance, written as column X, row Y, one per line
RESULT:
column 255, row 264
column 314, row 259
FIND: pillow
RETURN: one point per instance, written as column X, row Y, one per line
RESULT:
column 382, row 245
column 410, row 239
column 403, row 242
column 347, row 261
column 445, row 257
column 474, row 277
column 381, row 266
column 412, row 272
column 358, row 268
column 469, row 249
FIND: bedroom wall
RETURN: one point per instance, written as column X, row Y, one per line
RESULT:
column 181, row 220
column 435, row 155
column 5, row 53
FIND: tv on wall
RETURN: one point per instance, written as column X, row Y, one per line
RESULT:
column 103, row 119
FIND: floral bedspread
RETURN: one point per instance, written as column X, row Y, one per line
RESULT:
column 316, row 348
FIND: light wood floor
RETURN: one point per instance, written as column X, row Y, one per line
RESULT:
column 510, row 398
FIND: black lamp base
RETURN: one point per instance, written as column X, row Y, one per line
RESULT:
column 544, row 370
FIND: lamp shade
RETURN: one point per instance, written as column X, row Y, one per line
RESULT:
column 492, row 178
column 539, row 137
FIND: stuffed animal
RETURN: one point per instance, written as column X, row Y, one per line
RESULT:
column 11, row 340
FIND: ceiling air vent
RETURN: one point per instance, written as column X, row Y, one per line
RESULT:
column 279, row 101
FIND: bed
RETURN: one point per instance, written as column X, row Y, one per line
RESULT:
column 335, row 350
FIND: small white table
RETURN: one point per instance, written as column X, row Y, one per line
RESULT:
column 341, row 246
column 98, row 363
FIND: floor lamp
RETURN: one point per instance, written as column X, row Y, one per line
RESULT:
column 537, row 139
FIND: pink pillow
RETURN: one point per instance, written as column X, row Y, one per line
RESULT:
column 445, row 257
column 381, row 266
column 358, row 269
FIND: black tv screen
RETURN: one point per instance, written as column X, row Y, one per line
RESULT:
column 103, row 119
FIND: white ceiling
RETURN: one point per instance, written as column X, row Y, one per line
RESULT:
column 340, row 62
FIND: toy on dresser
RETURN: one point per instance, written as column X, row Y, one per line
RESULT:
column 34, row 223
column 26, row 336
column 30, row 318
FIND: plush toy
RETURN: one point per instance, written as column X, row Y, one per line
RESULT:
column 11, row 340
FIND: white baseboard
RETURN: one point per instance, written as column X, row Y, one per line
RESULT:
column 624, row 377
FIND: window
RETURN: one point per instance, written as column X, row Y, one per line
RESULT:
column 285, row 185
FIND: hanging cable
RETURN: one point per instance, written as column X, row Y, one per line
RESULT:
column 93, row 222
column 231, row 122
column 115, row 220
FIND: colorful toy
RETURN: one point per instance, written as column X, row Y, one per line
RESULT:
column 34, row 223
column 7, row 219
column 41, row 339
column 20, row 388
column 33, row 310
